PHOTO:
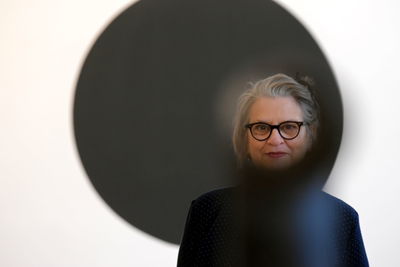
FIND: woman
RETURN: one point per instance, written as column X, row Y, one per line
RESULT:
column 278, row 221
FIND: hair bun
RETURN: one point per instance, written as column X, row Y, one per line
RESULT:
column 304, row 80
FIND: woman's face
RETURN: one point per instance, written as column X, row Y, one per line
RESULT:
column 276, row 152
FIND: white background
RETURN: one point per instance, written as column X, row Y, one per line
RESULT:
column 50, row 213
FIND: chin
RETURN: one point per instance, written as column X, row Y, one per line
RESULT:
column 276, row 164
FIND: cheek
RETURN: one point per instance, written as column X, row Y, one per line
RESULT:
column 299, row 145
column 253, row 145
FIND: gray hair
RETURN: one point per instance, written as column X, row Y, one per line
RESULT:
column 276, row 85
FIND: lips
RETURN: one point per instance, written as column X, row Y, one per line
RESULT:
column 276, row 154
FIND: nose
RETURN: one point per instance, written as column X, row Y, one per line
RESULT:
column 275, row 138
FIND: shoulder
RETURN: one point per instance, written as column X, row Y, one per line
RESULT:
column 205, row 227
column 339, row 205
column 205, row 209
column 215, row 195
column 343, row 216
column 213, row 200
column 348, row 233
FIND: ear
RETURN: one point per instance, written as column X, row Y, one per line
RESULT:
column 313, row 132
column 248, row 158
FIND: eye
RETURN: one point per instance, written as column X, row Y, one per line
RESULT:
column 289, row 129
column 261, row 129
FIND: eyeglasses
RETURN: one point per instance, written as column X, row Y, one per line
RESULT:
column 288, row 130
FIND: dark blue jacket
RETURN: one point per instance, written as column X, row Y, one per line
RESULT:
column 327, row 234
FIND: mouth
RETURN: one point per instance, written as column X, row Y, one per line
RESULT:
column 276, row 154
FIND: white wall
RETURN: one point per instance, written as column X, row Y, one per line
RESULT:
column 50, row 213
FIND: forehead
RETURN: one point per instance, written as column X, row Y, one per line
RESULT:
column 275, row 110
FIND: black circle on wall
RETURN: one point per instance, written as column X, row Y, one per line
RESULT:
column 148, row 97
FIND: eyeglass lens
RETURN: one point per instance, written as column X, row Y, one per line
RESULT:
column 287, row 130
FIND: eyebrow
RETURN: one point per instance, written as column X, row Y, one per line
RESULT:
column 259, row 121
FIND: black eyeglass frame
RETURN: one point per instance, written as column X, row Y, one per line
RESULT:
column 299, row 124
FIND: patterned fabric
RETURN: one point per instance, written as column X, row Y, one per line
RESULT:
column 327, row 233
